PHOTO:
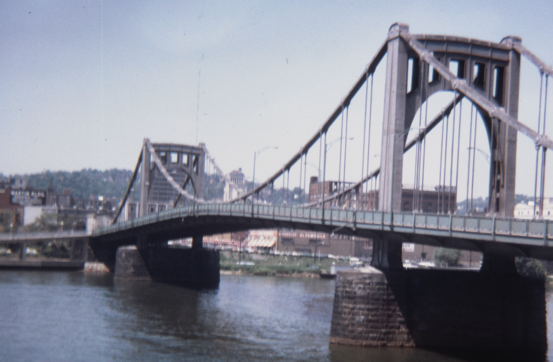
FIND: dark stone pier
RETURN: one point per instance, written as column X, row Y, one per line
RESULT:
column 440, row 309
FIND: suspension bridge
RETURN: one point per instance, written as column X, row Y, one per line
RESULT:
column 482, row 76
column 174, row 194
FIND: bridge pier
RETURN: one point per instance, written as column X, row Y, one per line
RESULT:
column 460, row 311
column 195, row 267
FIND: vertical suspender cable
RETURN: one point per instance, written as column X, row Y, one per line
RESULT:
column 468, row 163
column 341, row 138
column 492, row 200
column 370, row 123
column 364, row 131
column 445, row 165
column 417, row 175
column 494, row 162
column 324, row 177
column 438, row 209
column 544, row 151
column 319, row 170
column 305, row 187
column 377, row 187
column 473, row 161
column 370, row 194
column 452, row 152
column 300, row 196
column 345, row 148
column 423, row 73
column 283, row 189
column 458, row 150
column 288, row 188
column 538, row 148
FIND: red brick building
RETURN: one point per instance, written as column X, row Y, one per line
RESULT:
column 441, row 199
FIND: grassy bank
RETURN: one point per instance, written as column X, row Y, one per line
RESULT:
column 270, row 265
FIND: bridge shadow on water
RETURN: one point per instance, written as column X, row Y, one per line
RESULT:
column 460, row 307
column 342, row 353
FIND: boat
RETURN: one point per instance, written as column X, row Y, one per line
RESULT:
column 324, row 275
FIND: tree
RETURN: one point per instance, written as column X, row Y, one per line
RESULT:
column 447, row 257
column 54, row 222
column 10, row 221
column 530, row 268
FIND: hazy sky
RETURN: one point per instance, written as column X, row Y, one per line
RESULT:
column 83, row 82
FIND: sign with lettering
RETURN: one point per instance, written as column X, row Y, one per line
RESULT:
column 303, row 235
column 28, row 197
column 409, row 247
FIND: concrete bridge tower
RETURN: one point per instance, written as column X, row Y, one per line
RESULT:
column 492, row 70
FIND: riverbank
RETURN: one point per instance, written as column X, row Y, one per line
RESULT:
column 269, row 274
column 234, row 263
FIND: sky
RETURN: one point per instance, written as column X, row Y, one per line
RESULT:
column 82, row 83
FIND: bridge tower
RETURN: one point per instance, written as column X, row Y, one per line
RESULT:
column 184, row 163
column 492, row 70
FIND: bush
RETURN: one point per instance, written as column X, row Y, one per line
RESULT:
column 447, row 257
column 57, row 249
column 530, row 268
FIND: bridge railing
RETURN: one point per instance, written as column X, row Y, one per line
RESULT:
column 444, row 225
column 6, row 237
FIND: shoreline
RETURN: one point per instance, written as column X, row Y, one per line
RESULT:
column 293, row 275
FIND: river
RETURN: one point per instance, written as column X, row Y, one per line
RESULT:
column 73, row 316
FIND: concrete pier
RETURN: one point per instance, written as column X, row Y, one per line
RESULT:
column 365, row 312
column 196, row 268
column 440, row 309
column 129, row 265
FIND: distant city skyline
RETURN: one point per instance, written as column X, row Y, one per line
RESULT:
column 84, row 82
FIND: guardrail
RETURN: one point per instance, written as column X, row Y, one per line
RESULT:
column 484, row 228
column 9, row 237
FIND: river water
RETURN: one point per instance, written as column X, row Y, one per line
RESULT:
column 73, row 316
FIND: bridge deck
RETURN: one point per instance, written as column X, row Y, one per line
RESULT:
column 36, row 237
column 521, row 237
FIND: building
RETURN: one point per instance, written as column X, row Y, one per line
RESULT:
column 440, row 199
column 328, row 188
column 23, row 205
column 323, row 244
column 235, row 185
column 413, row 254
column 293, row 242
column 526, row 210
column 15, row 199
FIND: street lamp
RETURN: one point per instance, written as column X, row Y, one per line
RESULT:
column 329, row 145
column 486, row 156
column 399, row 135
column 254, row 159
column 316, row 168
